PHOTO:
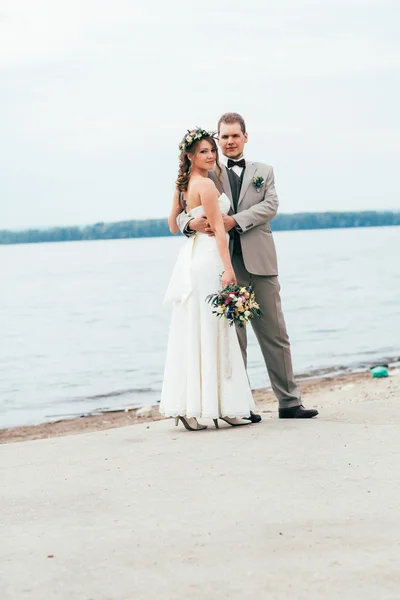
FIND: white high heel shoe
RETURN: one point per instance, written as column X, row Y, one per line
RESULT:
column 191, row 424
column 235, row 422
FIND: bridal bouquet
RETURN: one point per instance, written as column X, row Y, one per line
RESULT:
column 235, row 303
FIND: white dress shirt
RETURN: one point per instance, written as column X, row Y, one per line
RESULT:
column 237, row 170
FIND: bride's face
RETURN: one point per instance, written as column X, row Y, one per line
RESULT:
column 205, row 156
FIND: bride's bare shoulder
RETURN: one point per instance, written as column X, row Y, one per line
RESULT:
column 205, row 185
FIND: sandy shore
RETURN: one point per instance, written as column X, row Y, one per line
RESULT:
column 316, row 393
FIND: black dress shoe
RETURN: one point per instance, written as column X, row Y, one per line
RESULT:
column 253, row 418
column 297, row 412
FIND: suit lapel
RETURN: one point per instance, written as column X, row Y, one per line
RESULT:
column 247, row 177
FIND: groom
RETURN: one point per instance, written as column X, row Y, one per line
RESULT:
column 254, row 203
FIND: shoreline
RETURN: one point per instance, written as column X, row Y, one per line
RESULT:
column 285, row 222
column 315, row 391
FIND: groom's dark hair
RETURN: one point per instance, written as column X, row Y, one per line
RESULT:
column 230, row 118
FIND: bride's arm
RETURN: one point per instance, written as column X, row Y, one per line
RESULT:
column 175, row 211
column 209, row 199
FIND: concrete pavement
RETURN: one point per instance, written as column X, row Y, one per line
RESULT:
column 280, row 510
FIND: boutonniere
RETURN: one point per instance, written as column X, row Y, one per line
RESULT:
column 258, row 182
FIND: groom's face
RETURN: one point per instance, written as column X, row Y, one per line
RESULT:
column 232, row 140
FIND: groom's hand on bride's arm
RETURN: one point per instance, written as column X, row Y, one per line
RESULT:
column 229, row 222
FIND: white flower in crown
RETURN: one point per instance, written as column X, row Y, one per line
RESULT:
column 258, row 182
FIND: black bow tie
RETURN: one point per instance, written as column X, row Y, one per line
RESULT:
column 233, row 163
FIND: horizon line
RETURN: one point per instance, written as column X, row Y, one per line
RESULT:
column 312, row 212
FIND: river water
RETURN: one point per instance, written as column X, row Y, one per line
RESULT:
column 83, row 327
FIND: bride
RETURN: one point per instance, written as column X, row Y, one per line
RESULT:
column 204, row 374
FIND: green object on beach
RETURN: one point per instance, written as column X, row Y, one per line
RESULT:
column 380, row 372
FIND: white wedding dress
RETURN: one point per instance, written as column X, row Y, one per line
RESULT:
column 204, row 374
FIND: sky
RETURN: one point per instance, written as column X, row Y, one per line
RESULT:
column 95, row 97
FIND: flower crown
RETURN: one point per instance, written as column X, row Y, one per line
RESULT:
column 194, row 135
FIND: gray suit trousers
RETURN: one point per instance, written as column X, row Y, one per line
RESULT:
column 271, row 333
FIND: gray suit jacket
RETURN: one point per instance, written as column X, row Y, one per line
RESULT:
column 255, row 210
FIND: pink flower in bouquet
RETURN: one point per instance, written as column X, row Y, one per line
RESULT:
column 227, row 300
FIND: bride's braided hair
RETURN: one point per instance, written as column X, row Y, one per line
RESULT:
column 189, row 145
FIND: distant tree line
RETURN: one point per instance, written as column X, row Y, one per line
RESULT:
column 159, row 227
